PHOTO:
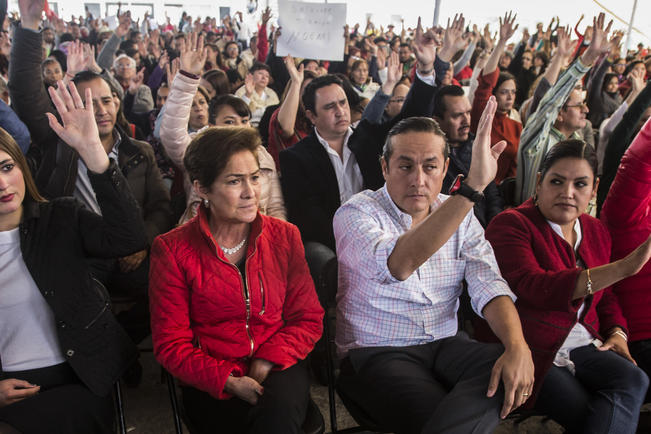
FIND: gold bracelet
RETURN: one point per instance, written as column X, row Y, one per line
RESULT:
column 588, row 283
column 621, row 334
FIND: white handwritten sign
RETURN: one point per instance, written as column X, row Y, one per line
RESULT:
column 311, row 30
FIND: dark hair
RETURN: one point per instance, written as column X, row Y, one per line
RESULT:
column 9, row 145
column 405, row 44
column 306, row 62
column 309, row 95
column 61, row 57
column 49, row 60
column 542, row 56
column 632, row 65
column 66, row 37
column 607, row 78
column 259, row 66
column 419, row 124
column 86, row 76
column 240, row 107
column 504, row 76
column 569, row 149
column 380, row 39
column 439, row 102
column 218, row 80
column 211, row 150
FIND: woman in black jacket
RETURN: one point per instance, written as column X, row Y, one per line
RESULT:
column 61, row 349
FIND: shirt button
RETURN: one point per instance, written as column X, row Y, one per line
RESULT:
column 70, row 353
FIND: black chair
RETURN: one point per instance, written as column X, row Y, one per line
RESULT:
column 122, row 426
column 314, row 423
column 322, row 262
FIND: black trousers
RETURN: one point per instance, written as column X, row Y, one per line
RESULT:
column 281, row 409
column 63, row 405
column 432, row 388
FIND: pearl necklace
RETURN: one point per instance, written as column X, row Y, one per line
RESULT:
column 233, row 250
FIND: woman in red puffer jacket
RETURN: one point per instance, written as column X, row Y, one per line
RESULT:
column 627, row 215
column 233, row 306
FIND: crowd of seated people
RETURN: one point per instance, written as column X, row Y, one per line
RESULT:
column 182, row 171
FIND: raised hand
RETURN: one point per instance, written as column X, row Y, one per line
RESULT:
column 564, row 46
column 75, row 60
column 124, row 26
column 193, row 55
column 637, row 81
column 266, row 16
column 249, row 87
column 394, row 73
column 79, row 129
column 30, row 13
column 599, row 43
column 506, row 26
column 171, row 69
column 163, row 60
column 453, row 32
column 380, row 57
column 296, row 75
column 425, row 43
column 136, row 81
column 89, row 56
column 484, row 156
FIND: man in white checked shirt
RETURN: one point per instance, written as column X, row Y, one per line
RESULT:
column 404, row 251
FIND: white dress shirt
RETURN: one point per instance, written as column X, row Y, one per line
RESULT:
column 349, row 177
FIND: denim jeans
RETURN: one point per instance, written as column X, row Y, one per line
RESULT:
column 604, row 396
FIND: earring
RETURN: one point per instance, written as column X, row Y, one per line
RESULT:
column 206, row 203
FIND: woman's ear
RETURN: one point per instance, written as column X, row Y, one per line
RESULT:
column 199, row 189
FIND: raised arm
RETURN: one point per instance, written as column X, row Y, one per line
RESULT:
column 28, row 95
column 174, row 124
column 119, row 230
column 419, row 243
column 289, row 107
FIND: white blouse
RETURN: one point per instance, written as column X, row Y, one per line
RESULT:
column 28, row 338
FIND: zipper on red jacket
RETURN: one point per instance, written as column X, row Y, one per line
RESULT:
column 245, row 292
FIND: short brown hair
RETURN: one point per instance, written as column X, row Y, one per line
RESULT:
column 9, row 145
column 211, row 150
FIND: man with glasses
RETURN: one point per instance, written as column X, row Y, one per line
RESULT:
column 560, row 114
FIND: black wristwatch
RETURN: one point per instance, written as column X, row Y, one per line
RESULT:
column 458, row 187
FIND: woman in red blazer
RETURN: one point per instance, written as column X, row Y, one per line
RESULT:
column 627, row 215
column 556, row 260
column 233, row 306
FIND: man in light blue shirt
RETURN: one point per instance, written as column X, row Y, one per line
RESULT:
column 404, row 252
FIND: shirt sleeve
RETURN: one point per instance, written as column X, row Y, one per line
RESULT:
column 362, row 244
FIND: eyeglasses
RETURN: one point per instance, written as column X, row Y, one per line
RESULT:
column 581, row 104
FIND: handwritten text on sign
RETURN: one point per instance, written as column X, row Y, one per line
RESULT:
column 311, row 30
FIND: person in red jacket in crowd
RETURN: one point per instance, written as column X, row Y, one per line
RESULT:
column 234, row 309
column 506, row 123
column 627, row 215
column 556, row 260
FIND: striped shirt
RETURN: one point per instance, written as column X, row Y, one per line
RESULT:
column 537, row 136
